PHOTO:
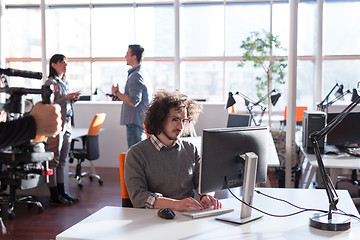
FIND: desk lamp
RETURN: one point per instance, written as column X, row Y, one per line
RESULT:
column 329, row 221
column 339, row 95
column 354, row 95
column 250, row 104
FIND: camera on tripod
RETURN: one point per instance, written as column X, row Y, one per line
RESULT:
column 21, row 166
column 15, row 108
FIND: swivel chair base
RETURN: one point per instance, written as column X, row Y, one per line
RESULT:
column 11, row 200
column 78, row 175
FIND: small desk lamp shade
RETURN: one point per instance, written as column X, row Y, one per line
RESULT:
column 340, row 92
column 274, row 98
column 231, row 101
column 354, row 95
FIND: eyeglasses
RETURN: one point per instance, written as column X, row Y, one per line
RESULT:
column 177, row 120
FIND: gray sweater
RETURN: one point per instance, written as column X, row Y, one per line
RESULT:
column 172, row 172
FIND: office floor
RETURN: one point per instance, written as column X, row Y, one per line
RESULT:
column 29, row 224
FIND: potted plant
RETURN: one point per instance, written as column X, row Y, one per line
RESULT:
column 259, row 48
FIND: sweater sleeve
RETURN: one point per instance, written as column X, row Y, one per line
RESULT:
column 17, row 132
column 135, row 178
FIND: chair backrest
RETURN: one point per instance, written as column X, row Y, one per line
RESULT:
column 40, row 139
column 92, row 147
column 124, row 193
column 92, row 139
column 96, row 124
column 299, row 113
column 147, row 135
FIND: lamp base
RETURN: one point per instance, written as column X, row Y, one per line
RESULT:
column 337, row 223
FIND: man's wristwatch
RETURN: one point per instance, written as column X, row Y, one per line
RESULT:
column 202, row 195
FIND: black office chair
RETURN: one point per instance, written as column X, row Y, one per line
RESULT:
column 351, row 184
column 89, row 150
column 22, row 170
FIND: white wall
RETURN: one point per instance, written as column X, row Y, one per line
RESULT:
column 113, row 137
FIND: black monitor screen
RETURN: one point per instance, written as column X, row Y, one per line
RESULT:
column 221, row 151
column 347, row 132
column 238, row 120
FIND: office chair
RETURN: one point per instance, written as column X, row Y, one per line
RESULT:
column 125, row 199
column 147, row 135
column 89, row 150
column 299, row 115
column 24, row 172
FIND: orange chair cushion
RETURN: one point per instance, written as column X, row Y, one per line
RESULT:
column 40, row 139
column 299, row 113
column 96, row 124
column 124, row 192
column 147, row 135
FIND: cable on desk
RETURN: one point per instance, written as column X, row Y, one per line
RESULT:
column 341, row 212
column 291, row 204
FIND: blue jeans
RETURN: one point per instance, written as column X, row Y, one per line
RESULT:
column 134, row 134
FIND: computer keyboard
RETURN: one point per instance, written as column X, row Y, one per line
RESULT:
column 331, row 149
column 207, row 212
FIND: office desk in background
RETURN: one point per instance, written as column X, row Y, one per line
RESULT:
column 131, row 223
column 335, row 162
column 79, row 132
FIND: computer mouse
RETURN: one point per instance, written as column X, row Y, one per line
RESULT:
column 166, row 213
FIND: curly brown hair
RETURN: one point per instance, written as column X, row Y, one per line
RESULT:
column 159, row 108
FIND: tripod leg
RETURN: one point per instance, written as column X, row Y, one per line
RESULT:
column 3, row 228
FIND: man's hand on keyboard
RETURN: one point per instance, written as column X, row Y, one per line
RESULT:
column 186, row 204
column 208, row 201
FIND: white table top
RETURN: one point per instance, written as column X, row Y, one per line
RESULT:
column 342, row 160
column 129, row 223
column 79, row 132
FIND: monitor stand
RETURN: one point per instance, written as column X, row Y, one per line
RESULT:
column 251, row 160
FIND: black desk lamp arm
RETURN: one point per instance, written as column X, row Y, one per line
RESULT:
column 254, row 104
column 329, row 186
column 264, row 97
column 317, row 136
column 321, row 105
column 335, row 100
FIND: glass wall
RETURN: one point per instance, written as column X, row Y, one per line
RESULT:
column 94, row 35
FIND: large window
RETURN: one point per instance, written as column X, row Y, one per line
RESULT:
column 197, row 50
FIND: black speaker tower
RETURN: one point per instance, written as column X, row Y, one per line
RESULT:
column 312, row 122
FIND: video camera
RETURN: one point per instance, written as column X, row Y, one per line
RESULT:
column 15, row 104
column 23, row 163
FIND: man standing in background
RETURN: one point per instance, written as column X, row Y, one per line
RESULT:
column 135, row 97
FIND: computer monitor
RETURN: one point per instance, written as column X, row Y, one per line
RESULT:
column 346, row 133
column 223, row 163
column 238, row 120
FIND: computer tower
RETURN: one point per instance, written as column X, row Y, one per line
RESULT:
column 312, row 121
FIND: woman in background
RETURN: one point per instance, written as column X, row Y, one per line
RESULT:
column 60, row 144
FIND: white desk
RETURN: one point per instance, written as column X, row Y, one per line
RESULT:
column 332, row 161
column 129, row 223
column 79, row 132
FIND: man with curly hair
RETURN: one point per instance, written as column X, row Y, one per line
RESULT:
column 163, row 170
